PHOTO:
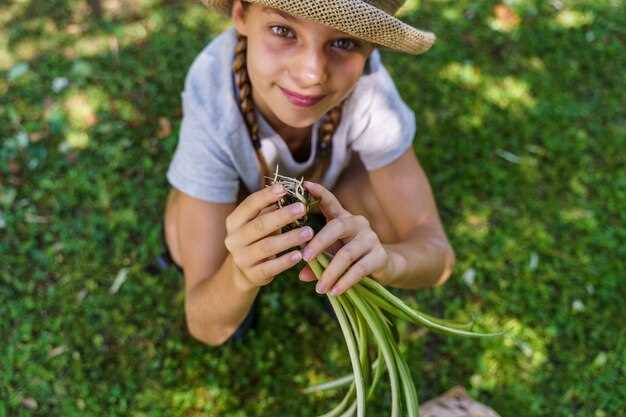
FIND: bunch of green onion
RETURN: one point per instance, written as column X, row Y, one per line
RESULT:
column 365, row 312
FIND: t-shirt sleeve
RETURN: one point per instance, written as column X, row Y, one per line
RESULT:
column 201, row 166
column 385, row 128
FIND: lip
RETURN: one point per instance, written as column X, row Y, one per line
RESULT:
column 300, row 100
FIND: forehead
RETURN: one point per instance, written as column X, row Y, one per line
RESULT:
column 271, row 11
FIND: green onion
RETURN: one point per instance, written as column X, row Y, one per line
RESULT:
column 366, row 314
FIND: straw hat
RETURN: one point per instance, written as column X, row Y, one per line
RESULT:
column 370, row 20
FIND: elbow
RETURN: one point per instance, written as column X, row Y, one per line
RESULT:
column 448, row 261
column 200, row 332
column 199, row 335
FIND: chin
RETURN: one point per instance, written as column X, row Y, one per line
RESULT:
column 296, row 119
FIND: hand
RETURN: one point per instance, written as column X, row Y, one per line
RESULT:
column 360, row 244
column 253, row 238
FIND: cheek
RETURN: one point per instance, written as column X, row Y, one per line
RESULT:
column 347, row 74
column 265, row 63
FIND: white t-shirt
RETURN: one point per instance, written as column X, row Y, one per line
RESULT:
column 215, row 151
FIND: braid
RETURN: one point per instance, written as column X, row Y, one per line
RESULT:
column 327, row 128
column 324, row 145
column 247, row 104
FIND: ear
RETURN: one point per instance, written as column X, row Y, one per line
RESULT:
column 239, row 17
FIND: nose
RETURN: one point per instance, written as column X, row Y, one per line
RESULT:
column 310, row 68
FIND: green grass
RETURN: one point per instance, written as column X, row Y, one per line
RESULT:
column 522, row 133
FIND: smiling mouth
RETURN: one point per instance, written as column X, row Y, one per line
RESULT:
column 301, row 100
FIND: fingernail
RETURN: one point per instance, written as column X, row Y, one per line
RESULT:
column 306, row 232
column 307, row 254
column 297, row 208
column 295, row 256
column 277, row 188
column 320, row 289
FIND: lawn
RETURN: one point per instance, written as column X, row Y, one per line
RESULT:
column 521, row 128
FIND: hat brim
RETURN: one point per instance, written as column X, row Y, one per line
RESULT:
column 354, row 17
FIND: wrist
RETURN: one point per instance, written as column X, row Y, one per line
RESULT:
column 241, row 281
column 389, row 274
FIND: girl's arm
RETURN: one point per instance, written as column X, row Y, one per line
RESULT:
column 216, row 298
column 423, row 257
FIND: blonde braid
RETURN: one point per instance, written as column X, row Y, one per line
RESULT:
column 327, row 128
column 324, row 145
column 247, row 104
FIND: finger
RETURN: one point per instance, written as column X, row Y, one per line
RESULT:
column 340, row 263
column 338, row 228
column 306, row 274
column 270, row 209
column 328, row 203
column 264, row 273
column 268, row 223
column 275, row 244
column 252, row 205
column 373, row 261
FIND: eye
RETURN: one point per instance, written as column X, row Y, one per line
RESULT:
column 347, row 44
column 280, row 31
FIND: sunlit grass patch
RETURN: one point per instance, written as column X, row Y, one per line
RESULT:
column 519, row 357
column 570, row 19
column 202, row 19
column 475, row 225
column 87, row 45
column 505, row 92
column 504, row 18
column 452, row 14
column 409, row 6
column 579, row 217
column 535, row 63
column 75, row 139
column 465, row 74
column 80, row 110
column 509, row 92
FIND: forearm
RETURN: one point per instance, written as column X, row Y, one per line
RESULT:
column 217, row 306
column 423, row 260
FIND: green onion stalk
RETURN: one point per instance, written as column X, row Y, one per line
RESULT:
column 366, row 314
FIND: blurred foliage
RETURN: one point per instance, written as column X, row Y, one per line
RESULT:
column 521, row 129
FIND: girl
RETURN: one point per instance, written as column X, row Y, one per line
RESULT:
column 300, row 86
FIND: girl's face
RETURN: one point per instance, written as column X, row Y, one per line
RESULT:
column 289, row 54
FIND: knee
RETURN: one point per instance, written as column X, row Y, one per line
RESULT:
column 449, row 260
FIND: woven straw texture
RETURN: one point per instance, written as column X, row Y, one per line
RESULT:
column 370, row 20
